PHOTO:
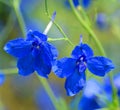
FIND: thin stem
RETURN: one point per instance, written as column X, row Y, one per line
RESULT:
column 49, row 91
column 57, row 25
column 86, row 26
column 9, row 71
column 19, row 16
column 56, row 39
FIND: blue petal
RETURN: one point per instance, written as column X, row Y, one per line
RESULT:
column 18, row 47
column 64, row 67
column 99, row 65
column 82, row 49
column 43, row 62
column 32, row 35
column 88, row 103
column 117, row 83
column 26, row 65
column 74, row 83
column 82, row 67
column 2, row 78
column 86, row 3
column 53, row 52
column 76, row 3
column 92, row 88
column 107, row 88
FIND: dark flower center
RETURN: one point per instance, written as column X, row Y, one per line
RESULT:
column 36, row 44
column 81, row 60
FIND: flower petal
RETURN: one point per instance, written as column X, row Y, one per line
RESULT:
column 32, row 35
column 53, row 52
column 26, row 65
column 18, row 47
column 82, row 67
column 91, row 103
column 99, row 65
column 2, row 78
column 64, row 67
column 92, row 88
column 82, row 49
column 75, row 83
column 43, row 63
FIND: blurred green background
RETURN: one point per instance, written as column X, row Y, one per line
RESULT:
column 22, row 93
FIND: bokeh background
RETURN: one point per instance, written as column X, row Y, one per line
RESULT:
column 27, row 93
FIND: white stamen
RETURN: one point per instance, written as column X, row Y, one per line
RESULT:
column 48, row 28
column 49, row 24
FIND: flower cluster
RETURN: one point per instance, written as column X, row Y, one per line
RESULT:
column 35, row 53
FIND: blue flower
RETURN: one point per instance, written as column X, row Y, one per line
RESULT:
column 96, row 95
column 34, row 53
column 74, row 68
column 75, row 2
column 84, row 3
column 89, row 97
column 2, row 78
column 101, row 21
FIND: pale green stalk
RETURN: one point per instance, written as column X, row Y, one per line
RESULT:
column 19, row 16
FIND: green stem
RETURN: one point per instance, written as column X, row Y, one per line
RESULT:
column 49, row 92
column 12, row 71
column 57, row 25
column 56, row 39
column 86, row 26
column 19, row 16
column 9, row 71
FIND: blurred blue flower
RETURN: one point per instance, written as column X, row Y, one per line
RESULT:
column 84, row 3
column 101, row 21
column 2, row 78
column 96, row 95
column 75, row 2
column 34, row 53
column 89, row 97
column 74, row 68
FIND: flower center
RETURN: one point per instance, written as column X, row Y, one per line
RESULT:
column 81, row 60
column 36, row 44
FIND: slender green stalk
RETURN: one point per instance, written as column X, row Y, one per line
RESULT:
column 59, row 28
column 86, row 26
column 9, row 71
column 49, row 92
column 56, row 39
column 19, row 16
